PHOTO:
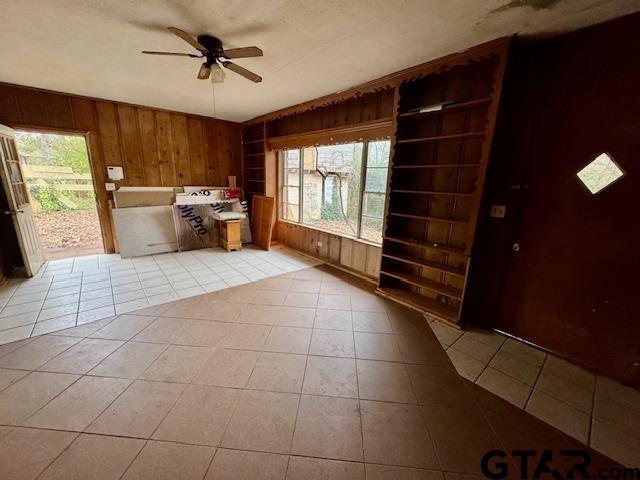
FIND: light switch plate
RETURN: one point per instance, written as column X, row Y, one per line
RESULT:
column 320, row 244
column 115, row 173
column 110, row 187
column 498, row 211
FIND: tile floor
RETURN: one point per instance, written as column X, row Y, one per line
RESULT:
column 74, row 291
column 591, row 408
column 306, row 375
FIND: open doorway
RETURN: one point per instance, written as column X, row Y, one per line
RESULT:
column 58, row 176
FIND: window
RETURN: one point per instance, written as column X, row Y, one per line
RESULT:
column 341, row 188
column 600, row 173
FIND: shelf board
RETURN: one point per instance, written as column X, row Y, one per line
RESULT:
column 421, row 303
column 254, row 154
column 256, row 181
column 425, row 244
column 443, row 138
column 455, row 107
column 422, row 282
column 432, row 192
column 254, row 168
column 420, row 262
column 259, row 140
column 460, row 221
column 442, row 165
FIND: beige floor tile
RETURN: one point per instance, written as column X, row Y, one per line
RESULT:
column 162, row 330
column 565, row 370
column 86, row 329
column 520, row 349
column 519, row 366
column 328, row 427
column 384, row 381
column 294, row 299
column 25, row 452
column 617, row 411
column 306, row 286
column 58, row 323
column 377, row 346
column 489, row 337
column 421, row 350
column 296, row 317
column 94, row 457
column 302, row 468
column 249, row 337
column 367, row 303
column 200, row 416
column 78, row 405
column 333, row 320
column 332, row 343
column 387, row 472
column 123, row 327
column 279, row 372
column 267, row 297
column 82, row 357
column 575, row 393
column 37, row 352
column 288, row 340
column 259, row 314
column 505, row 386
column 170, row 461
column 335, row 377
column 22, row 399
column 241, row 464
column 203, row 333
column 446, row 335
column 9, row 377
column 178, row 363
column 466, row 366
column 276, row 283
column 129, row 361
column 481, row 351
column 227, row 368
column 395, row 434
column 561, row 415
column 373, row 322
column 139, row 410
column 627, row 396
column 10, row 347
column 262, row 421
column 337, row 302
column 405, row 321
column 619, row 442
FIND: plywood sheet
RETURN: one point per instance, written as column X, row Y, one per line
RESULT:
column 144, row 230
column 262, row 214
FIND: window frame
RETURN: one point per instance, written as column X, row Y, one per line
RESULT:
column 362, row 184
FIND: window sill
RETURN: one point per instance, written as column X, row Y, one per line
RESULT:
column 332, row 232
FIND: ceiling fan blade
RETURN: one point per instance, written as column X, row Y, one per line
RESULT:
column 243, row 52
column 242, row 71
column 188, row 38
column 204, row 72
column 148, row 52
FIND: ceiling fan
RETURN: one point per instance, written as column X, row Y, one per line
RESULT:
column 210, row 48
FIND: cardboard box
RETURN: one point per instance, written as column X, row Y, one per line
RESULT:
column 126, row 197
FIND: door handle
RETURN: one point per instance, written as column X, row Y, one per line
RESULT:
column 12, row 212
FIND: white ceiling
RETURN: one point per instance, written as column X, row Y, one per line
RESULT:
column 312, row 47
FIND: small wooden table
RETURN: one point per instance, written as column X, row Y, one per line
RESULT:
column 230, row 234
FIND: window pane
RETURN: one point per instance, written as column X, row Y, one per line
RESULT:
column 375, row 190
column 290, row 185
column 290, row 212
column 331, row 187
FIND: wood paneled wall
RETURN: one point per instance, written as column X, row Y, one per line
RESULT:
column 155, row 147
column 359, row 257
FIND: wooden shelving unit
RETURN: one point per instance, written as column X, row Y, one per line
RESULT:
column 253, row 164
column 436, row 181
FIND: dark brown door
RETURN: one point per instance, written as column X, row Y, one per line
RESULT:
column 573, row 286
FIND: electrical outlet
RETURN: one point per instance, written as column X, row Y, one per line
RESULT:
column 320, row 244
column 498, row 211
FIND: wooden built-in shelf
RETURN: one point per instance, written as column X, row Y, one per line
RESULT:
column 443, row 138
column 422, row 303
column 256, row 181
column 259, row 154
column 422, row 282
column 420, row 262
column 254, row 168
column 430, row 218
column 432, row 192
column 452, row 107
column 258, row 140
column 442, row 165
column 425, row 244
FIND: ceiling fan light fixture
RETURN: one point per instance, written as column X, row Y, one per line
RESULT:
column 217, row 74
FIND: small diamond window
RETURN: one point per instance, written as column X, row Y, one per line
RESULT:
column 600, row 173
